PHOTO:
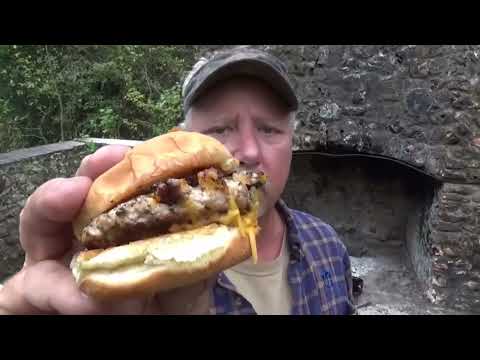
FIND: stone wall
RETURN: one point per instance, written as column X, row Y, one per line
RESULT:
column 21, row 172
column 419, row 241
column 455, row 236
column 418, row 104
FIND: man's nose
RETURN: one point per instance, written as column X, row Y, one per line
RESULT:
column 248, row 149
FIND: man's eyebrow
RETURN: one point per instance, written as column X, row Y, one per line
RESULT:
column 271, row 119
column 216, row 121
column 223, row 118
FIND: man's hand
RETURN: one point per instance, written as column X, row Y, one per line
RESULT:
column 45, row 285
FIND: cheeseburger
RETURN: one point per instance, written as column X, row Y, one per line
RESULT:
column 176, row 210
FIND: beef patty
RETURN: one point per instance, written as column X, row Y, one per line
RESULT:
column 194, row 200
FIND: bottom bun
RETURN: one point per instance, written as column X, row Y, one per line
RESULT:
column 162, row 263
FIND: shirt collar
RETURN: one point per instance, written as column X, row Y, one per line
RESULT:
column 293, row 233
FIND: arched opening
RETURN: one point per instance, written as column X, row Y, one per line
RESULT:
column 380, row 208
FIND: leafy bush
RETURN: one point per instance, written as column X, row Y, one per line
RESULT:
column 55, row 93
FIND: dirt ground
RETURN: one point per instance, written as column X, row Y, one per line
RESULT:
column 390, row 287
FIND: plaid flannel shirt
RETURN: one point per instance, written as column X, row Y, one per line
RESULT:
column 319, row 271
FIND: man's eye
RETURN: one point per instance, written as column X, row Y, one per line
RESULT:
column 218, row 130
column 268, row 130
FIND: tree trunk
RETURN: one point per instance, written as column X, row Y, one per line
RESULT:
column 59, row 97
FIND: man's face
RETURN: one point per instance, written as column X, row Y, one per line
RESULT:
column 247, row 117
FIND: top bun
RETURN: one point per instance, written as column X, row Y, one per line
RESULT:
column 173, row 155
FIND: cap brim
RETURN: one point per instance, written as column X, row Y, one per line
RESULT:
column 247, row 67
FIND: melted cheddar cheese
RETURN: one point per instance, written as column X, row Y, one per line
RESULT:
column 247, row 224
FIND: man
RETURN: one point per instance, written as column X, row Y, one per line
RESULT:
column 243, row 98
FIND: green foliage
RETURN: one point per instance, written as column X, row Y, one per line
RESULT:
column 55, row 93
column 91, row 147
column 166, row 109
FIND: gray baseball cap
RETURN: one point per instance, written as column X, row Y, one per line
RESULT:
column 238, row 61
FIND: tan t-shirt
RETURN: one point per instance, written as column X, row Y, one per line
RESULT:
column 264, row 285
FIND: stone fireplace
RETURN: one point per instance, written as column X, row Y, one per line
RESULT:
column 405, row 120
column 374, row 204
